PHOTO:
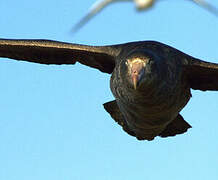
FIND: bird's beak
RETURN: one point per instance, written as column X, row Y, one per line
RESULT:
column 135, row 80
column 137, row 70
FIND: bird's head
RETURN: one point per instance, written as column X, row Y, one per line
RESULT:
column 141, row 69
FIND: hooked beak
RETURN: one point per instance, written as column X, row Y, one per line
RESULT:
column 135, row 79
column 137, row 71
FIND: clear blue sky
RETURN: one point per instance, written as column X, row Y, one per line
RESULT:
column 53, row 125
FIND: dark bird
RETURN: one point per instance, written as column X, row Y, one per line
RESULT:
column 140, row 5
column 150, row 81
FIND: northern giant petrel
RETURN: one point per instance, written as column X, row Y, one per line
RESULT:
column 150, row 81
column 140, row 5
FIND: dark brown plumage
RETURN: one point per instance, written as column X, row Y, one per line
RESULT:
column 151, row 81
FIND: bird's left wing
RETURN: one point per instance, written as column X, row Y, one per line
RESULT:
column 201, row 75
column 54, row 52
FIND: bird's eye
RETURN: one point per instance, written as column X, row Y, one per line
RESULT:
column 127, row 62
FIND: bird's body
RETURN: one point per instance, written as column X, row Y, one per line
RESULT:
column 150, row 108
column 150, row 81
column 140, row 5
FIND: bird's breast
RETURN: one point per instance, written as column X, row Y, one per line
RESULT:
column 154, row 105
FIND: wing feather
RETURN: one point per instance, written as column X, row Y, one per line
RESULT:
column 202, row 75
column 54, row 52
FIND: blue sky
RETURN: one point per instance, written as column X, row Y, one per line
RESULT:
column 53, row 125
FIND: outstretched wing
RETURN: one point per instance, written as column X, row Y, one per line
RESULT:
column 54, row 52
column 202, row 75
column 95, row 8
column 207, row 6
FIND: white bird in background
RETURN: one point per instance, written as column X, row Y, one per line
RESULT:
column 140, row 5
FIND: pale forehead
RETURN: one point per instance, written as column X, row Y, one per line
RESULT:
column 137, row 60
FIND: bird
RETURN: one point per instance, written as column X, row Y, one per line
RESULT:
column 150, row 81
column 99, row 5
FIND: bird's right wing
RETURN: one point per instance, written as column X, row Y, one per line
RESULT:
column 54, row 52
column 207, row 6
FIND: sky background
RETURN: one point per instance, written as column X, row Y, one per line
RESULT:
column 52, row 122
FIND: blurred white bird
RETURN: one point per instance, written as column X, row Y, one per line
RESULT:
column 140, row 5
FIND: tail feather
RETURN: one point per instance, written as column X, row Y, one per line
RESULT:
column 113, row 109
column 177, row 126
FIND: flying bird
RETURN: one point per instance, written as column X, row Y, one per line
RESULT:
column 150, row 81
column 140, row 5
